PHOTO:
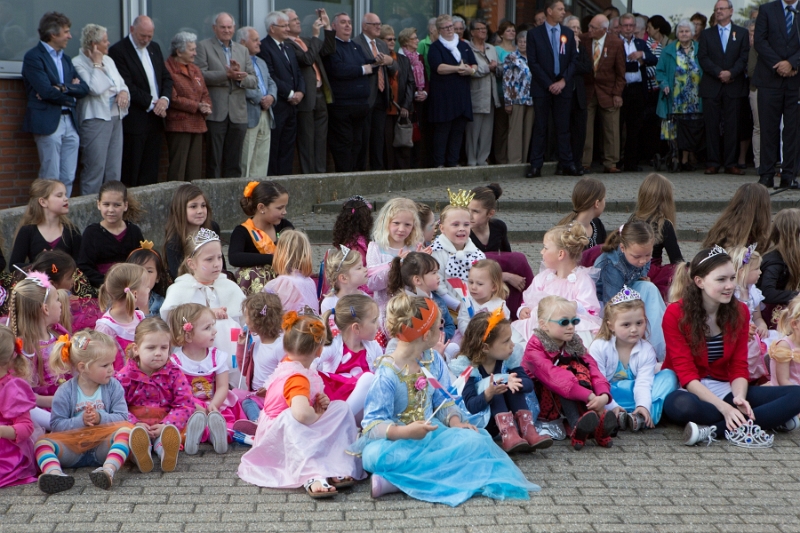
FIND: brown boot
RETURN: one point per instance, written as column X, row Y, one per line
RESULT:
column 511, row 441
column 528, row 432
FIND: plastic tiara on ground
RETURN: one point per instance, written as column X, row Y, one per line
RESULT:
column 715, row 251
column 461, row 198
column 625, row 295
column 750, row 435
column 203, row 236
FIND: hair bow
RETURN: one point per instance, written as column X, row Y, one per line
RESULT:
column 494, row 319
column 67, row 344
column 17, row 347
column 187, row 326
column 248, row 190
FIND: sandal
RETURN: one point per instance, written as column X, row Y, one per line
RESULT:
column 325, row 485
column 341, row 482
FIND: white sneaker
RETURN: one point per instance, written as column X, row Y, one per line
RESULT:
column 789, row 425
column 194, row 431
column 693, row 434
column 218, row 432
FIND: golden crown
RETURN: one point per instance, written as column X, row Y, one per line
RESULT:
column 461, row 198
column 146, row 245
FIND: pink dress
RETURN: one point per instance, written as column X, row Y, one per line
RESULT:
column 295, row 291
column 45, row 383
column 17, row 462
column 577, row 287
column 202, row 378
column 122, row 333
column 286, row 453
column 779, row 352
column 339, row 384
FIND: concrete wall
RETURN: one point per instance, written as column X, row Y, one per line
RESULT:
column 304, row 193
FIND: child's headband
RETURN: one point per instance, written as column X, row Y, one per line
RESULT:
column 419, row 326
column 495, row 318
column 203, row 236
column 38, row 278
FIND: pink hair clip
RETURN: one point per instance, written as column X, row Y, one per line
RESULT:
column 127, row 290
column 187, row 326
column 263, row 311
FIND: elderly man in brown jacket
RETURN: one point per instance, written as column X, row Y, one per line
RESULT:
column 604, row 86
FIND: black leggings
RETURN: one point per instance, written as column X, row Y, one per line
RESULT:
column 772, row 406
column 503, row 403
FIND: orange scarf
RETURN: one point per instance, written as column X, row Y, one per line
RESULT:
column 260, row 239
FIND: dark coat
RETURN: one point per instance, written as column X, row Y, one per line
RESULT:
column 540, row 61
column 373, row 78
column 773, row 45
column 317, row 49
column 450, row 95
column 283, row 68
column 734, row 59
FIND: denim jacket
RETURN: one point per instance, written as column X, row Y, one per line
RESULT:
column 615, row 271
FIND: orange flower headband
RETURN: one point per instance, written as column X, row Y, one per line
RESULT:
column 419, row 326
column 494, row 319
column 248, row 190
column 315, row 327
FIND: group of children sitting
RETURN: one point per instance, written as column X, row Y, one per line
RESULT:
column 446, row 351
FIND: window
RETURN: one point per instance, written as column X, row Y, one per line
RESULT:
column 197, row 16
column 401, row 14
column 19, row 22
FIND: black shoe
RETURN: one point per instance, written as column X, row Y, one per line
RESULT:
column 534, row 173
column 767, row 181
column 786, row 184
column 559, row 170
column 572, row 170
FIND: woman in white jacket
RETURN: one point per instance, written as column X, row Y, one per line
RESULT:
column 628, row 362
column 101, row 112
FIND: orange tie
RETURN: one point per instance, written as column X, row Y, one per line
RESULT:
column 381, row 82
column 304, row 48
column 596, row 57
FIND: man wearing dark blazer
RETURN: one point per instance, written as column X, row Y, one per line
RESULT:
column 577, row 114
column 380, row 97
column 312, row 112
column 282, row 63
column 777, row 42
column 53, row 87
column 552, row 56
column 723, row 52
column 141, row 65
column 637, row 58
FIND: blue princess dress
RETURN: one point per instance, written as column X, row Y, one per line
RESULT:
column 449, row 465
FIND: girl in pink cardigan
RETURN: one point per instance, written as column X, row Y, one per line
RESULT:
column 567, row 378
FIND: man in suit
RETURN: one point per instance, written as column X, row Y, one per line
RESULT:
column 228, row 73
column 260, row 120
column 777, row 42
column 312, row 112
column 723, row 53
column 551, row 56
column 637, row 58
column 380, row 97
column 282, row 63
column 577, row 114
column 141, row 65
column 53, row 87
column 604, row 86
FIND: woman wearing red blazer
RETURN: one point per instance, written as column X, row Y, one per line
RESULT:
column 706, row 334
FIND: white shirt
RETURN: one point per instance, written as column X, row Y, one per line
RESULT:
column 147, row 64
column 265, row 359
column 642, row 364
column 630, row 47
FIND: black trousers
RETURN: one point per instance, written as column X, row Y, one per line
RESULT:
column 345, row 132
column 721, row 117
column 141, row 154
column 772, row 105
column 632, row 114
column 447, row 140
column 312, row 133
column 224, row 142
column 372, row 138
column 282, row 139
column 560, row 106
column 577, row 129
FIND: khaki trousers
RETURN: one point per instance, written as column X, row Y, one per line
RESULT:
column 610, row 118
column 255, row 151
column 520, row 128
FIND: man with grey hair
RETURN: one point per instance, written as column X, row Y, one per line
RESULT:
column 260, row 117
column 723, row 58
column 285, row 70
column 53, row 88
column 228, row 73
column 141, row 65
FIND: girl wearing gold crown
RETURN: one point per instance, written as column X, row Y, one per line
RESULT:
column 453, row 248
column 414, row 438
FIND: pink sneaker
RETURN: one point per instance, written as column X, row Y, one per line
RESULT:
column 380, row 486
column 247, row 427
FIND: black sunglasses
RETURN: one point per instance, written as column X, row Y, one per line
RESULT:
column 564, row 322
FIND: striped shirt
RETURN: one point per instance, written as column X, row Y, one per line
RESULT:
column 715, row 348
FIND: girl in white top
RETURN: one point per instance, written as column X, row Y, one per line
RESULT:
column 292, row 263
column 487, row 292
column 628, row 362
column 747, row 263
column 345, row 272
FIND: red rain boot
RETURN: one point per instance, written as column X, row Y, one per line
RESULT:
column 585, row 427
column 528, row 432
column 511, row 441
column 607, row 426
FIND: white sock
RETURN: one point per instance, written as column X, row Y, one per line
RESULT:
column 158, row 448
column 359, row 395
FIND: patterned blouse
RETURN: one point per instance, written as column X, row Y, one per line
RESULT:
column 516, row 80
column 686, row 94
column 655, row 47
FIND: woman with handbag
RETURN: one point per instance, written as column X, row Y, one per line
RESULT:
column 409, row 43
column 399, row 128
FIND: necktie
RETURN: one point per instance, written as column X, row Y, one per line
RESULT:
column 554, row 44
column 789, row 19
column 299, row 42
column 596, row 55
column 723, row 37
column 381, row 82
column 283, row 50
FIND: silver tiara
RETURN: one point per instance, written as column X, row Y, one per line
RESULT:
column 203, row 236
column 750, row 435
column 715, row 251
column 345, row 251
column 625, row 295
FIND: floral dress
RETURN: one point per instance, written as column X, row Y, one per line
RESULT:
column 686, row 100
column 516, row 80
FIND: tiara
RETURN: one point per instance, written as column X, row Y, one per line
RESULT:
column 40, row 279
column 715, row 251
column 750, row 435
column 748, row 253
column 345, row 251
column 419, row 326
column 461, row 198
column 203, row 236
column 625, row 295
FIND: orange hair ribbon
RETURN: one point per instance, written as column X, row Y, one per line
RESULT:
column 248, row 190
column 494, row 319
column 65, row 348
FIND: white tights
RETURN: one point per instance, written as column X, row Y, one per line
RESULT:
column 359, row 395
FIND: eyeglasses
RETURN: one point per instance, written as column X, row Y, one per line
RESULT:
column 450, row 27
column 388, row 39
column 281, row 25
column 564, row 322
column 479, row 29
column 372, row 23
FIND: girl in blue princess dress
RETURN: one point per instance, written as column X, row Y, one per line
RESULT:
column 414, row 439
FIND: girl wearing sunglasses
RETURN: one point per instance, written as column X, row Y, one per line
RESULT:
column 568, row 382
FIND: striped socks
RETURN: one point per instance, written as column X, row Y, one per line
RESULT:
column 46, row 452
column 118, row 452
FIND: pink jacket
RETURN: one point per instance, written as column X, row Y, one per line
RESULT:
column 539, row 360
column 166, row 389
